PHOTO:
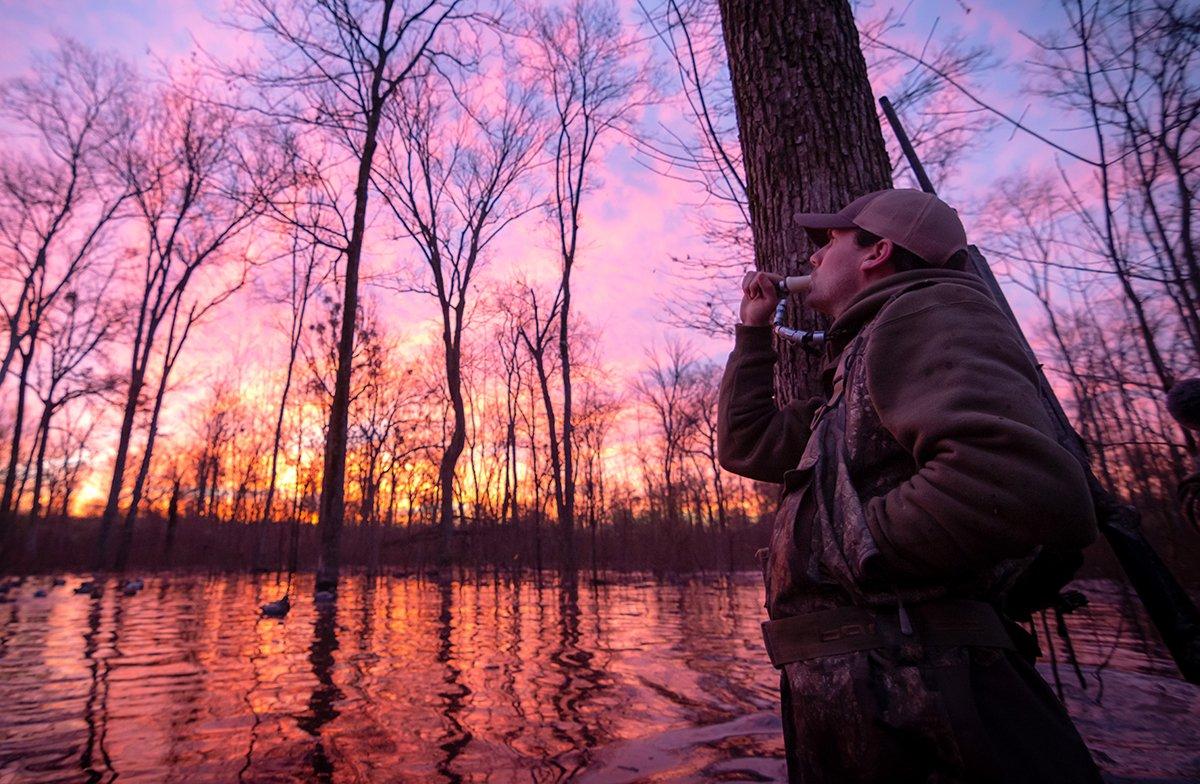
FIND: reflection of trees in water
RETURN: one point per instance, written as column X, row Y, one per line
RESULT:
column 457, row 736
column 581, row 681
column 369, row 583
column 705, row 621
column 256, row 680
column 515, row 662
column 29, row 651
column 95, row 710
column 698, row 623
column 325, row 694
column 742, row 683
column 185, row 599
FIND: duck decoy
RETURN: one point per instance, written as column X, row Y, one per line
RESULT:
column 277, row 609
column 131, row 587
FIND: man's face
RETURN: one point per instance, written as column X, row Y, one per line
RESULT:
column 838, row 273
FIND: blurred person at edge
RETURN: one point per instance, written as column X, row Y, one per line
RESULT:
column 916, row 492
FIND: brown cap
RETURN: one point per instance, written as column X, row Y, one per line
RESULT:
column 916, row 221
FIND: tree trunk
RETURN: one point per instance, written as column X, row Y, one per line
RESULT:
column 454, row 449
column 139, row 483
column 566, row 511
column 172, row 522
column 170, row 353
column 556, row 465
column 275, row 443
column 810, row 136
column 137, row 380
column 212, row 510
column 42, row 438
column 332, row 510
column 8, row 511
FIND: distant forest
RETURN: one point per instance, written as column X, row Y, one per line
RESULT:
column 360, row 156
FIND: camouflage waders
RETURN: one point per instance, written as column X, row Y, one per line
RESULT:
column 908, row 711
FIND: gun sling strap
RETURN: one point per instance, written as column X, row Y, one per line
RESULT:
column 841, row 630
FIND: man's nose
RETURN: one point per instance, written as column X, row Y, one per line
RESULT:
column 815, row 259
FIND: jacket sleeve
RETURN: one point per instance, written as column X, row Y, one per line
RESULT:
column 951, row 382
column 756, row 438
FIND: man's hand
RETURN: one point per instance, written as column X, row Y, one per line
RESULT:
column 759, row 298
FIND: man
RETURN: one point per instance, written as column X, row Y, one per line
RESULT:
column 917, row 489
column 1183, row 402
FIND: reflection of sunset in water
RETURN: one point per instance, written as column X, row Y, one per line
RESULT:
column 419, row 680
column 401, row 680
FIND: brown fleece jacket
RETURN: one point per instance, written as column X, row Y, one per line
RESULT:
column 951, row 384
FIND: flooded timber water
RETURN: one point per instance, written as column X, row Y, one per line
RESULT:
column 407, row 679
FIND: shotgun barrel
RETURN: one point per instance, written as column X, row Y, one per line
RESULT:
column 1170, row 608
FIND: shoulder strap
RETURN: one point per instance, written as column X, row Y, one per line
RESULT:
column 852, row 348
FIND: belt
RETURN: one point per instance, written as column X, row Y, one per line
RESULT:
column 945, row 623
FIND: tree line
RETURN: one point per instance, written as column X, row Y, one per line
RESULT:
column 136, row 210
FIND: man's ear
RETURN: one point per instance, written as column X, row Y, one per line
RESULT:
column 879, row 255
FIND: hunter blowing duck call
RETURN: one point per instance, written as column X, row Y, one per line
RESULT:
column 798, row 286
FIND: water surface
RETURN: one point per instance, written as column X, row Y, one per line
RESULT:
column 400, row 680
column 407, row 679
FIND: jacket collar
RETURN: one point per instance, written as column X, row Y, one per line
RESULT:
column 867, row 304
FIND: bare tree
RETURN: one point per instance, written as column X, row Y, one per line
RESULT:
column 452, row 180
column 939, row 120
column 213, row 423
column 702, row 151
column 57, row 201
column 72, row 445
column 515, row 368
column 376, row 414
column 598, row 409
column 74, row 332
column 585, row 64
column 198, row 183
column 333, row 69
column 306, row 274
column 539, row 333
column 178, row 330
column 666, row 388
column 702, row 444
column 1079, row 79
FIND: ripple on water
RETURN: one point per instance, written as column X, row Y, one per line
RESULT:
column 411, row 680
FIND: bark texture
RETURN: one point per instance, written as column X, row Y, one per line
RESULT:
column 810, row 136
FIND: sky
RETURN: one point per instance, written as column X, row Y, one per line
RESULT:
column 635, row 221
